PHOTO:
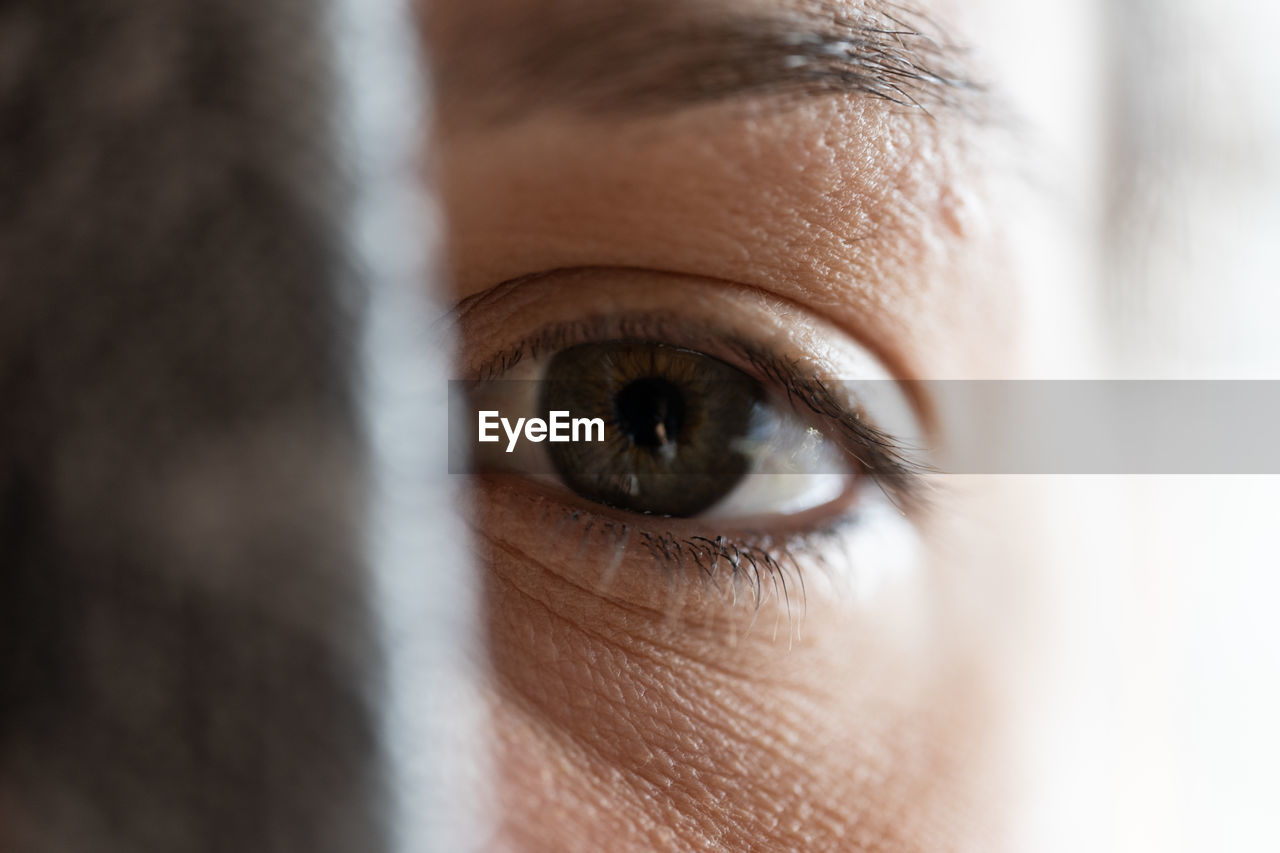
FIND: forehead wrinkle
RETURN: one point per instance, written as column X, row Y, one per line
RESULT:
column 642, row 56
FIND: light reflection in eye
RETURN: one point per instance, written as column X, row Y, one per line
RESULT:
column 797, row 470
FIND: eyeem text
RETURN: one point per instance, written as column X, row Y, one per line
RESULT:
column 560, row 428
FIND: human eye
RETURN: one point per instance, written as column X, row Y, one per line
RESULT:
column 726, row 439
column 684, row 434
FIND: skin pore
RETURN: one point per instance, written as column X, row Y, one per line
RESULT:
column 819, row 682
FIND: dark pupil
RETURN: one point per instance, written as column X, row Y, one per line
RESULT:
column 650, row 411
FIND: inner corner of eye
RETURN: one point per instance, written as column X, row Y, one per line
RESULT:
column 685, row 434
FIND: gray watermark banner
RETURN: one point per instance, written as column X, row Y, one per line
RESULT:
column 1060, row 427
column 1105, row 427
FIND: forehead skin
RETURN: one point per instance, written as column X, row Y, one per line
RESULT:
column 613, row 729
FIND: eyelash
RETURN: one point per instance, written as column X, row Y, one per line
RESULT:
column 751, row 556
column 757, row 561
column 754, row 563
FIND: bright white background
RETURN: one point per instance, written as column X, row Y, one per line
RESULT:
column 1162, row 724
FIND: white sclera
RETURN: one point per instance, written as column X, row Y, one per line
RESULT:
column 794, row 468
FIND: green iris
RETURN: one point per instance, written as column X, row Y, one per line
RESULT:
column 677, row 425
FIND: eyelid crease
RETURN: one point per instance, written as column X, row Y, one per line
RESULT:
column 879, row 455
column 906, row 376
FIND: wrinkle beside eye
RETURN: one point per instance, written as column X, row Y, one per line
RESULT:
column 637, row 671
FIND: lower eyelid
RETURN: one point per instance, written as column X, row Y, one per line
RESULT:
column 671, row 570
column 620, row 555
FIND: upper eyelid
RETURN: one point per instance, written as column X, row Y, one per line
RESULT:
column 887, row 356
column 879, row 454
column 557, row 336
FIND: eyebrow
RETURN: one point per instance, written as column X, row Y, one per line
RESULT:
column 643, row 56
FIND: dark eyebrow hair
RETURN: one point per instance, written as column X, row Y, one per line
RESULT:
column 655, row 55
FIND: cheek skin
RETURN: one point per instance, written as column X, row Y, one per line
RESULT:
column 655, row 715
